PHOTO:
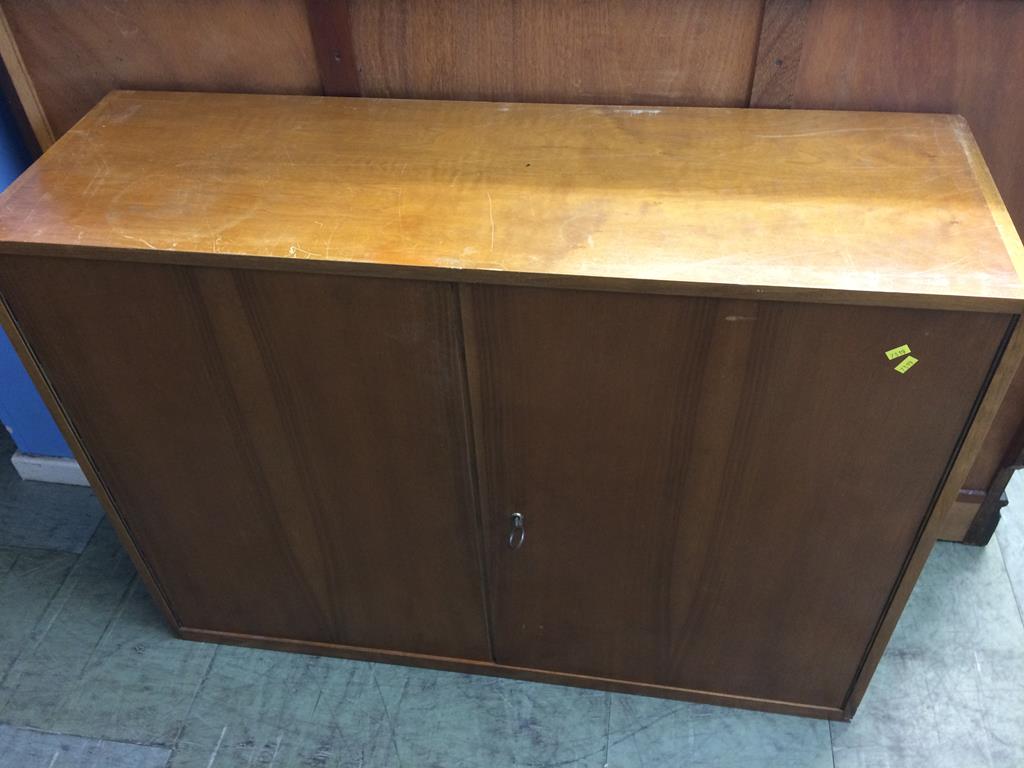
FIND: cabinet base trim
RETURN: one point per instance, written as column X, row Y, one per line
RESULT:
column 475, row 667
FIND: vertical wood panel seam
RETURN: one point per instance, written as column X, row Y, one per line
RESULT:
column 756, row 58
column 779, row 52
column 330, row 26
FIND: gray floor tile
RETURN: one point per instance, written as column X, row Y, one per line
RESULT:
column 29, row 579
column 262, row 708
column 104, row 665
column 43, row 515
column 938, row 710
column 654, row 733
column 949, row 690
column 962, row 602
column 27, row 748
column 447, row 719
column 1010, row 535
column 7, row 558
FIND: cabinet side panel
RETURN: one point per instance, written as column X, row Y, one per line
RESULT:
column 718, row 495
column 287, row 450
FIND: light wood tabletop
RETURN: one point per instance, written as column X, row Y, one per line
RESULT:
column 834, row 206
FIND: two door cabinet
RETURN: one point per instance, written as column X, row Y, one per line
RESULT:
column 669, row 401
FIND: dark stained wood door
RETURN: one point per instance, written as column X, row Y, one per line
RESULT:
column 717, row 495
column 289, row 451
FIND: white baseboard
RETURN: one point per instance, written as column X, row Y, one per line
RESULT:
column 48, row 469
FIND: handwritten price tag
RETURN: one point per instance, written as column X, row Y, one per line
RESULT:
column 899, row 351
column 906, row 364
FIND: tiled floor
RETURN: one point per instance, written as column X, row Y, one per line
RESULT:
column 90, row 677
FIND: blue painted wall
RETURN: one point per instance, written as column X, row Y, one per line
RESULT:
column 21, row 409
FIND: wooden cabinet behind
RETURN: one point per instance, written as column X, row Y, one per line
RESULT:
column 695, row 504
column 289, row 450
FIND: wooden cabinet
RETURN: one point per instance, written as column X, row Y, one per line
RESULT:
column 599, row 396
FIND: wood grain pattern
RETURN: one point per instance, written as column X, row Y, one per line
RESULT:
column 607, row 52
column 757, row 203
column 991, row 396
column 76, row 50
column 289, row 450
column 49, row 397
column 665, row 452
column 924, row 56
column 957, row 519
column 778, row 53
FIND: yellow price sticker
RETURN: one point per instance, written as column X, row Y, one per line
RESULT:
column 900, row 351
column 906, row 364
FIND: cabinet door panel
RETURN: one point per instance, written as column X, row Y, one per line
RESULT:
column 289, row 451
column 717, row 495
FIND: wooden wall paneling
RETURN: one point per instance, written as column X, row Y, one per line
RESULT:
column 24, row 89
column 778, row 52
column 579, row 51
column 77, row 50
column 331, row 28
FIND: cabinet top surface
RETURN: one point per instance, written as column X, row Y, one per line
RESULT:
column 773, row 202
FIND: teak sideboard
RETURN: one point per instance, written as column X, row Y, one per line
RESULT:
column 602, row 396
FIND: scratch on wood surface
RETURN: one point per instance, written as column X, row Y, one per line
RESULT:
column 101, row 172
column 139, row 240
column 296, row 250
column 330, row 238
column 962, row 133
column 823, row 132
